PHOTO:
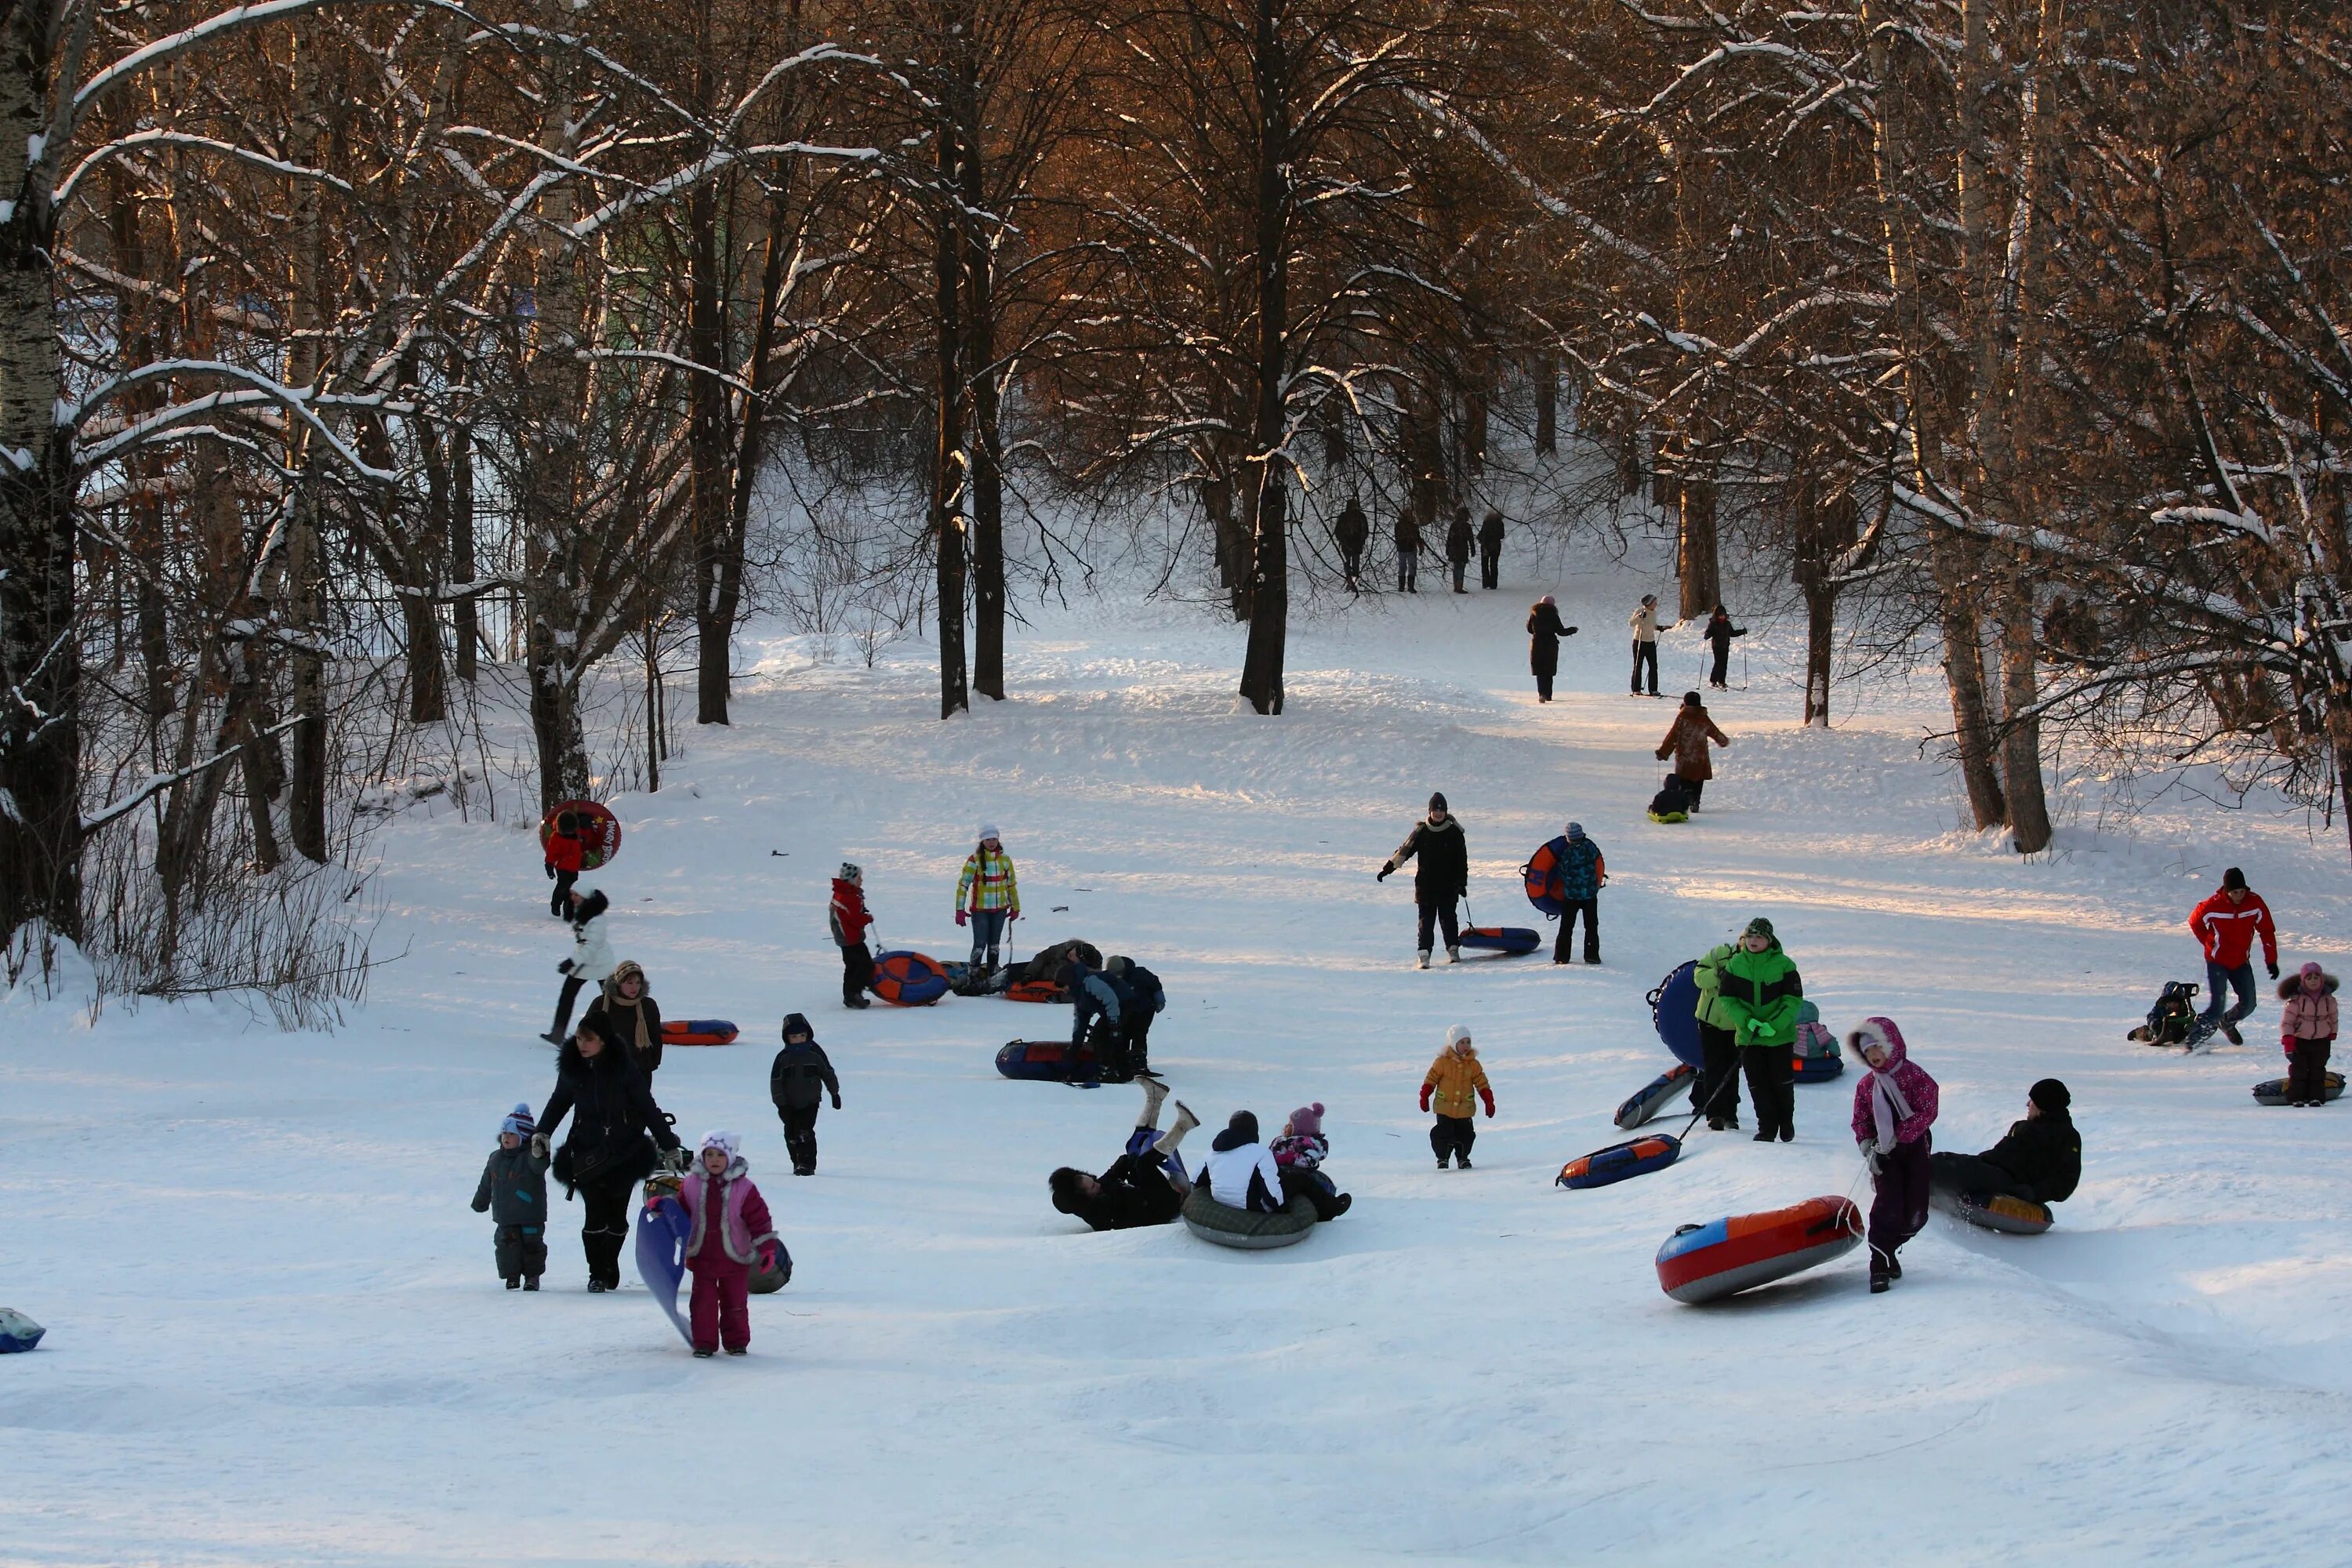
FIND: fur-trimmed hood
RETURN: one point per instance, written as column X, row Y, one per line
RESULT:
column 2288, row 987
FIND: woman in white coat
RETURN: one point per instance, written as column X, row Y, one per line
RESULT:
column 592, row 962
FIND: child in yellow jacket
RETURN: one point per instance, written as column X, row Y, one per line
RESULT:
column 1451, row 1082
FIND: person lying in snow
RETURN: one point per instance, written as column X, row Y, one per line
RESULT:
column 1147, row 1185
column 2040, row 1159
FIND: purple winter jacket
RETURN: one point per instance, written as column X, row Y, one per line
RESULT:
column 1911, row 1079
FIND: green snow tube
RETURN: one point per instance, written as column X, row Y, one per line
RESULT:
column 1209, row 1220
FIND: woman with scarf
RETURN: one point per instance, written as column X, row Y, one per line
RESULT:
column 627, row 1016
column 1893, row 1106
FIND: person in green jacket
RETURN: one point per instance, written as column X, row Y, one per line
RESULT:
column 1758, row 993
column 1716, row 1093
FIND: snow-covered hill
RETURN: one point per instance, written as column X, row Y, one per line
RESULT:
column 276, row 1333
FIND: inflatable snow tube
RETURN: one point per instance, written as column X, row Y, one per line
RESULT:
column 1538, row 874
column 1739, row 1252
column 1817, row 1070
column 1999, row 1211
column 1209, row 1220
column 17, row 1331
column 697, row 1032
column 768, row 1281
column 1674, row 1010
column 1501, row 939
column 1643, row 1107
column 2272, row 1091
column 599, row 831
column 1046, row 1061
column 907, row 979
column 1634, row 1157
column 1035, row 991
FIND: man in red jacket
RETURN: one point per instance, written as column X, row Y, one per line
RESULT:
column 2227, row 925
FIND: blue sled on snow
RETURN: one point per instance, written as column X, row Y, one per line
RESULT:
column 662, row 1230
column 1674, row 1009
column 17, row 1331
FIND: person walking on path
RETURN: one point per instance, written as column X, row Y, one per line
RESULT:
column 1544, row 632
column 730, row 1231
column 1446, row 1091
column 1758, row 993
column 591, row 963
column 2226, row 925
column 513, row 1193
column 1718, row 634
column 1408, row 549
column 988, row 898
column 617, row 1130
column 1893, row 1106
column 1459, row 540
column 1577, row 872
column 850, row 921
column 798, row 1080
column 2040, row 1159
column 627, row 1014
column 564, row 855
column 1441, row 877
column 1645, row 622
column 1490, row 550
column 1685, row 743
column 2307, row 1032
column 1352, row 533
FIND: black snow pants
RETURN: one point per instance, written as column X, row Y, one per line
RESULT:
column 563, row 1004
column 1452, row 1135
column 606, row 1228
column 800, row 1136
column 522, row 1251
column 1771, row 1085
column 1717, row 1092
column 857, row 971
column 1590, row 907
column 1975, row 1174
column 1438, row 910
column 559, row 903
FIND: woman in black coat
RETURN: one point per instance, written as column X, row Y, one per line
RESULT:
column 615, row 1130
column 1544, row 632
column 1718, row 634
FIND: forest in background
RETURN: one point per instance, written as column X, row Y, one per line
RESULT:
column 363, row 362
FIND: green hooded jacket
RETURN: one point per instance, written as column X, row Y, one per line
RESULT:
column 1756, row 996
column 1711, row 1010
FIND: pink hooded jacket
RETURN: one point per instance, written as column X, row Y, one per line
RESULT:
column 1911, row 1079
column 745, row 1228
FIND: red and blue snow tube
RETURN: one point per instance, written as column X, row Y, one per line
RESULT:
column 1739, row 1252
column 1674, row 1009
column 1816, row 1069
column 907, row 979
column 1501, row 939
column 1047, row 1061
column 1634, row 1157
column 1643, row 1107
column 697, row 1032
column 1541, row 875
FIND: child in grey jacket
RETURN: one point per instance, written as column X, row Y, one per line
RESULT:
column 513, row 1192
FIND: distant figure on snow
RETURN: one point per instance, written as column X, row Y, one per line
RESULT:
column 798, row 1080
column 513, row 1193
column 563, row 855
column 1544, row 632
column 1577, row 872
column 1459, row 540
column 1443, row 876
column 2040, row 1159
column 2226, row 925
column 1718, row 634
column 1408, row 549
column 849, row 921
column 1352, row 533
column 1490, row 550
column 1146, row 1186
column 1645, row 622
column 988, row 898
column 1685, row 743
column 2307, row 1032
column 591, row 957
column 1447, row 1090
column 1893, row 1106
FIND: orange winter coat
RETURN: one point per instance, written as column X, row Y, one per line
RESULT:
column 1458, row 1081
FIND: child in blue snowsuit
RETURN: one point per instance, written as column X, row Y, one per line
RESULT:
column 513, row 1192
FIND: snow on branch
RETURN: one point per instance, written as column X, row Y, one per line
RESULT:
column 162, row 782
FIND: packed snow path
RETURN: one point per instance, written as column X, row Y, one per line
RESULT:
column 276, row 1333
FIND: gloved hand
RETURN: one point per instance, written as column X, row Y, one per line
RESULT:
column 1426, row 1090
column 2273, row 968
column 1571, row 632
column 1383, row 873
column 679, row 1160
column 1488, row 1095
column 551, row 870
column 565, row 967
column 767, row 1258
column 836, row 1102
column 539, row 1145
column 1871, row 1155
column 1011, row 915
column 959, row 917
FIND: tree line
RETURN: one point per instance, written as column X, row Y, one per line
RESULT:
column 356, row 352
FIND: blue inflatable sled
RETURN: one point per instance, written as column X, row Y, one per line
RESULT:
column 1674, row 1009
column 1513, row 940
column 662, row 1230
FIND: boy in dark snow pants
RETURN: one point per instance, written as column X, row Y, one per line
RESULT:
column 513, row 1193
column 795, row 1079
column 850, row 923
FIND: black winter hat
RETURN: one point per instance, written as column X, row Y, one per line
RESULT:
column 797, row 1024
column 2233, row 877
column 1691, row 699
column 1437, row 800
column 2050, row 1095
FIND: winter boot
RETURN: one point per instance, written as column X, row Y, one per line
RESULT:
column 2230, row 1033
column 857, row 1002
column 1425, row 958
column 552, row 1038
column 1341, row 1204
column 1185, row 1121
column 531, row 1283
column 595, row 1284
column 1879, row 1280
column 1441, row 1162
column 1154, row 1091
column 1463, row 1160
column 739, row 1350
column 704, row 1356
column 1894, row 1267
column 1454, row 953
column 514, row 1282
column 1765, row 1135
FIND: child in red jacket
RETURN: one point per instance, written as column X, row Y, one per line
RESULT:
column 564, row 858
column 850, row 921
column 2307, row 1031
column 731, row 1232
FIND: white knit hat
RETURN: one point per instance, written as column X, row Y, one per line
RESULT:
column 987, row 831
column 724, row 1141
column 1458, row 1034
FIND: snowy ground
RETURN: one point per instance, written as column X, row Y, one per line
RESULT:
column 275, row 1334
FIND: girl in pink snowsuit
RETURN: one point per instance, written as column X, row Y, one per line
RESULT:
column 1893, row 1106
column 731, row 1230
